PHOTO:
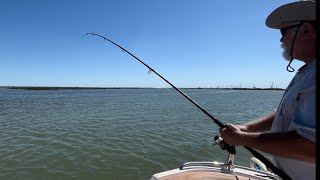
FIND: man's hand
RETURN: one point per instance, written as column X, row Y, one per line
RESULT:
column 243, row 128
column 232, row 135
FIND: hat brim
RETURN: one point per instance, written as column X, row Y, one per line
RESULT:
column 291, row 14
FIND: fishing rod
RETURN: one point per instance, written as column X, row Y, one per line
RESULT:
column 229, row 148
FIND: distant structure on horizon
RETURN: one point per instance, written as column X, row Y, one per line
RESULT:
column 239, row 87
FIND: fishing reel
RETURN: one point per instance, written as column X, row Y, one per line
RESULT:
column 230, row 148
column 224, row 145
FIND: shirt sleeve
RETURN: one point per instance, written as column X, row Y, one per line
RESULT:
column 304, row 120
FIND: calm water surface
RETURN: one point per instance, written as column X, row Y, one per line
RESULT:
column 117, row 134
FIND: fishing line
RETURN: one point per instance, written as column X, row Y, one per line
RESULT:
column 229, row 148
column 163, row 86
column 166, row 87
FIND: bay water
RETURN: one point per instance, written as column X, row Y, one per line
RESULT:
column 118, row 133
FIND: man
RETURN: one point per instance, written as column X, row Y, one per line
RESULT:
column 289, row 132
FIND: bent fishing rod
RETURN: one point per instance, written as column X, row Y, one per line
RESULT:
column 229, row 148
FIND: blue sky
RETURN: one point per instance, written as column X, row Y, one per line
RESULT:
column 192, row 43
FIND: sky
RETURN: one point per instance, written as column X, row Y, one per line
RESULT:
column 192, row 43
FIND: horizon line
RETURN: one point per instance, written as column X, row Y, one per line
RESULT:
column 92, row 87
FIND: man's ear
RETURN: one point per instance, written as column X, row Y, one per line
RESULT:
column 308, row 30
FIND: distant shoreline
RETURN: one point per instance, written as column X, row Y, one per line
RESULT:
column 88, row 88
column 65, row 88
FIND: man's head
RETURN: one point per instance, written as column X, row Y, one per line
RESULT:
column 297, row 24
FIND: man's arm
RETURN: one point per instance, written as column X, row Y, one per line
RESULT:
column 261, row 124
column 288, row 144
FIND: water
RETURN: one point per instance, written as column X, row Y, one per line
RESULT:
column 119, row 133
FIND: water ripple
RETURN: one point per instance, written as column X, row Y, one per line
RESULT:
column 116, row 134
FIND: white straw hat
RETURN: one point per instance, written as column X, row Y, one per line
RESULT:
column 292, row 13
